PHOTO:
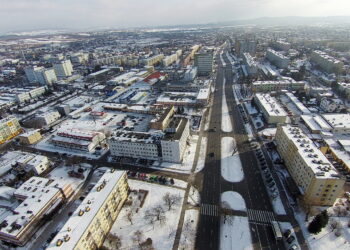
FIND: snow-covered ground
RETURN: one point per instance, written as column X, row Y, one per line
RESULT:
column 202, row 154
column 231, row 166
column 193, row 197
column 327, row 239
column 235, row 233
column 162, row 235
column 61, row 173
column 189, row 228
column 226, row 124
column 235, row 94
column 268, row 132
column 278, row 206
column 233, row 200
column 187, row 162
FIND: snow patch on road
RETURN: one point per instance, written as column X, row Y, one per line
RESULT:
column 231, row 166
column 189, row 228
column 226, row 124
column 235, row 233
column 202, row 154
column 233, row 200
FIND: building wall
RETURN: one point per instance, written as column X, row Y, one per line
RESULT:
column 133, row 149
column 317, row 191
column 30, row 138
column 9, row 128
column 204, row 62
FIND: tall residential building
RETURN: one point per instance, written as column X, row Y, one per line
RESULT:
column 282, row 45
column 203, row 60
column 31, row 73
column 277, row 58
column 63, row 68
column 46, row 76
column 319, row 182
column 89, row 225
column 245, row 46
column 326, row 62
column 9, row 128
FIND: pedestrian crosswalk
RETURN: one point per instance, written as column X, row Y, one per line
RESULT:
column 260, row 216
column 209, row 209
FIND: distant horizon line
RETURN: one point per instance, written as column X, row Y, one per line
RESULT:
column 106, row 27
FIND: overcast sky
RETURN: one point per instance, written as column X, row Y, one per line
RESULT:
column 17, row 15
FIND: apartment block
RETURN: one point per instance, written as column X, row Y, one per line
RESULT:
column 39, row 198
column 9, row 128
column 272, row 111
column 250, row 63
column 326, row 62
column 90, row 223
column 319, row 182
column 277, row 58
column 63, row 68
column 268, row 86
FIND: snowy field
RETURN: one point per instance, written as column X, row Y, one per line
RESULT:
column 231, row 166
column 235, row 233
column 188, row 234
column 226, row 124
column 193, row 197
column 187, row 163
column 202, row 154
column 278, row 206
column 162, row 235
column 233, row 200
column 327, row 239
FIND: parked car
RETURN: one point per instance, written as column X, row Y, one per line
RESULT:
column 287, row 233
column 290, row 239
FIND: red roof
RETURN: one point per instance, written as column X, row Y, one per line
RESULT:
column 155, row 75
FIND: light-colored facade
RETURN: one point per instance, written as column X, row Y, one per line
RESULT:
column 30, row 137
column 340, row 123
column 9, row 128
column 89, row 225
column 268, row 86
column 250, row 63
column 162, row 121
column 190, row 74
column 203, row 60
column 277, row 58
column 174, row 144
column 78, row 139
column 135, row 145
column 282, row 45
column 63, row 69
column 326, row 62
column 46, row 119
column 272, row 111
column 40, row 198
column 331, row 105
column 319, row 182
column 245, row 46
column 46, row 76
column 153, row 60
column 31, row 73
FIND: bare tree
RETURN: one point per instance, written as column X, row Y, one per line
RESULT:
column 189, row 233
column 155, row 214
column 114, row 241
column 129, row 216
column 137, row 237
column 171, row 199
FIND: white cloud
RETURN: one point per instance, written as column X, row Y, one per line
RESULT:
column 37, row 14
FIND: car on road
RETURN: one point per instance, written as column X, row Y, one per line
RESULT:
column 290, row 239
column 211, row 154
column 212, row 130
column 271, row 184
column 287, row 233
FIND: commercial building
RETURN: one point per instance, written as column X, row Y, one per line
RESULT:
column 326, row 62
column 298, row 104
column 161, row 121
column 30, row 137
column 277, row 58
column 63, row 69
column 9, row 128
column 272, row 111
column 141, row 145
column 175, row 140
column 90, row 223
column 340, row 123
column 319, row 182
column 39, row 199
column 78, row 139
column 203, row 60
column 190, row 74
column 268, row 86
